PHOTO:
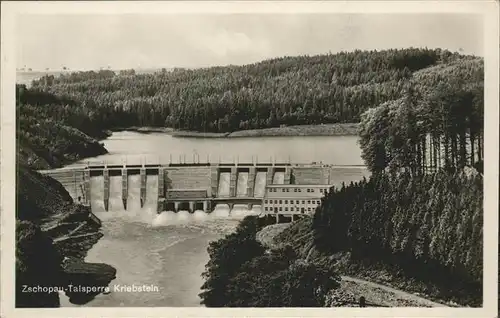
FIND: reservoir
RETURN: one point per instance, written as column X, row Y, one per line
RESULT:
column 156, row 148
column 169, row 250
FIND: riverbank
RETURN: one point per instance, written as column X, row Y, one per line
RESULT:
column 347, row 129
column 51, row 224
column 49, row 145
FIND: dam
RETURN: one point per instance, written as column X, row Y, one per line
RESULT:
column 192, row 186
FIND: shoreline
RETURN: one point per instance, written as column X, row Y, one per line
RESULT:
column 74, row 233
column 344, row 129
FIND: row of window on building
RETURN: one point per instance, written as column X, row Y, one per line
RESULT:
column 285, row 209
column 292, row 201
column 309, row 190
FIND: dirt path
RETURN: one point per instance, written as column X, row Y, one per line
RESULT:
column 382, row 295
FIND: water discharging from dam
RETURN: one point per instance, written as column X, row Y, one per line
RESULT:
column 224, row 180
column 260, row 184
column 134, row 193
column 151, row 203
column 279, row 177
column 241, row 185
column 97, row 194
column 115, row 193
column 148, row 213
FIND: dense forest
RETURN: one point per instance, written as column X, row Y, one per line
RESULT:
column 430, row 227
column 437, row 123
column 333, row 88
column 47, row 141
column 242, row 273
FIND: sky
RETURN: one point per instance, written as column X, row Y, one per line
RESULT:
column 84, row 42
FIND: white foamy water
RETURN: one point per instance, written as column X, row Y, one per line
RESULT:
column 151, row 192
column 134, row 192
column 224, row 184
column 97, row 193
column 115, row 193
column 166, row 249
column 260, row 184
column 221, row 211
column 240, row 210
column 242, row 184
column 279, row 177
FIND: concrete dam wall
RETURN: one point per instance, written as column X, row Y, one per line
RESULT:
column 191, row 178
column 190, row 187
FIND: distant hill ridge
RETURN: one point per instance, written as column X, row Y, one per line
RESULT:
column 284, row 91
column 301, row 90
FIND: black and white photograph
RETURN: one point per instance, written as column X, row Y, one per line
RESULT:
column 335, row 159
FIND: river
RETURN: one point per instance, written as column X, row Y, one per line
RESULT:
column 169, row 251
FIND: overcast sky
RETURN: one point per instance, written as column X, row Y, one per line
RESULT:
column 154, row 41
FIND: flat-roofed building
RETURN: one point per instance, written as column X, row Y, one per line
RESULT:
column 293, row 199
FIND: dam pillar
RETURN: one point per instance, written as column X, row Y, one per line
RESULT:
column 205, row 206
column 191, row 206
column 86, row 185
column 105, row 174
column 161, row 205
column 161, row 183
column 124, row 187
column 292, row 217
column 176, row 207
column 251, row 181
column 214, row 181
column 288, row 171
column 143, row 186
column 270, row 175
column 232, row 182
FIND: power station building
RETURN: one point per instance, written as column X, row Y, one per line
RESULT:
column 293, row 199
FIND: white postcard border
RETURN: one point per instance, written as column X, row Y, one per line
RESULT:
column 489, row 10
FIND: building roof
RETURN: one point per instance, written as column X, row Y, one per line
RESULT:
column 174, row 194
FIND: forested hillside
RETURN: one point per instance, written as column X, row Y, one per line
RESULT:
column 417, row 223
column 425, row 228
column 243, row 273
column 438, row 122
column 333, row 88
column 50, row 133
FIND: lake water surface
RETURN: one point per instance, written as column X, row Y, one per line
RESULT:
column 160, row 147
